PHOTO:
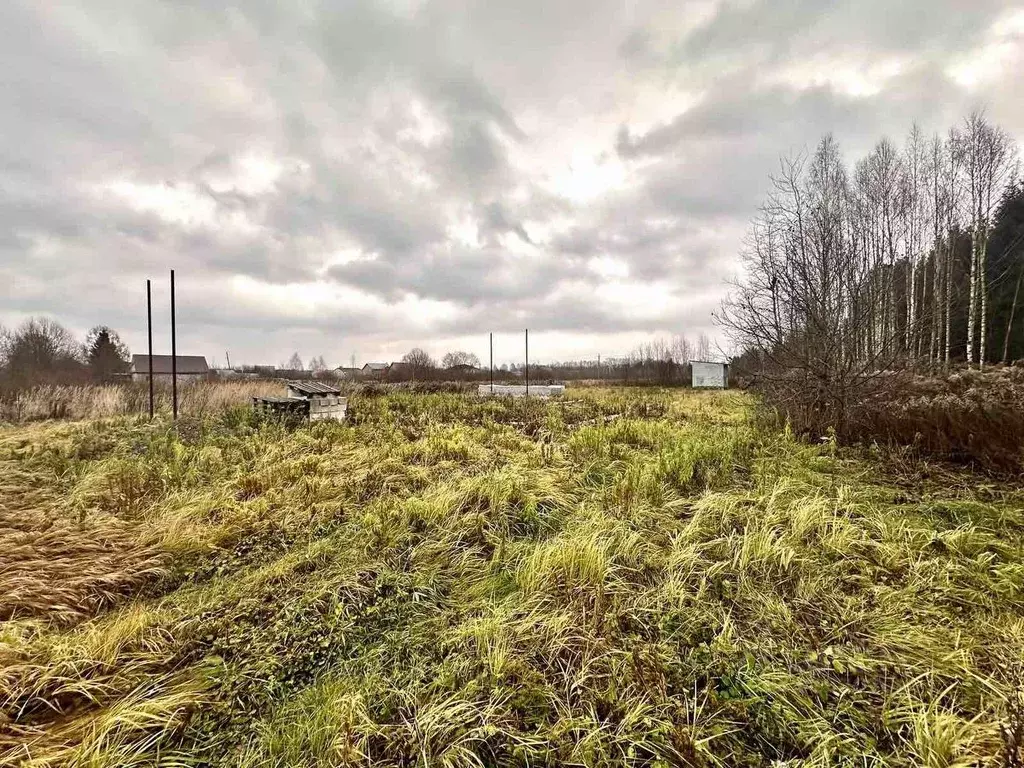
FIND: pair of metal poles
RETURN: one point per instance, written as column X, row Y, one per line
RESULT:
column 174, row 349
column 527, row 362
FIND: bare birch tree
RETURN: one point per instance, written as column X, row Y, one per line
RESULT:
column 990, row 164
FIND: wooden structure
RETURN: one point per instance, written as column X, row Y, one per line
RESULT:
column 165, row 366
column 312, row 400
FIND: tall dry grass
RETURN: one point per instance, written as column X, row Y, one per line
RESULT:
column 63, row 570
column 103, row 401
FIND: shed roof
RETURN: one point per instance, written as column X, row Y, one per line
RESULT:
column 376, row 366
column 186, row 364
column 314, row 388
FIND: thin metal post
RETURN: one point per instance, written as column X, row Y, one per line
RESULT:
column 149, row 328
column 527, row 362
column 174, row 357
column 492, row 363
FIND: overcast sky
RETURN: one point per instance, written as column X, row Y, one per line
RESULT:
column 357, row 178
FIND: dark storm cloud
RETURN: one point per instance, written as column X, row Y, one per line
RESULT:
column 415, row 152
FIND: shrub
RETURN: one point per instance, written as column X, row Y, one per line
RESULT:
column 968, row 416
column 975, row 417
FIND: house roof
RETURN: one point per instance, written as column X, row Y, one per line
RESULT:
column 186, row 364
column 313, row 388
column 376, row 366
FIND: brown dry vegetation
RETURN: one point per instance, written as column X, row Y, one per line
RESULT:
column 99, row 401
column 968, row 416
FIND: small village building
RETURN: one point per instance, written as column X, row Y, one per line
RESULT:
column 189, row 367
column 375, row 370
column 400, row 372
column 345, row 373
column 706, row 375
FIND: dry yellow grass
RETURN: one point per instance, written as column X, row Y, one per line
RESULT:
column 619, row 578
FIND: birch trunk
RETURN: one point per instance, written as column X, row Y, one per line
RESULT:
column 983, row 290
column 972, row 305
column 945, row 293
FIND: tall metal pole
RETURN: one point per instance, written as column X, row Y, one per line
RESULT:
column 174, row 357
column 492, row 363
column 527, row 362
column 149, row 328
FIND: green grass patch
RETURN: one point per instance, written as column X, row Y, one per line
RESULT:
column 617, row 578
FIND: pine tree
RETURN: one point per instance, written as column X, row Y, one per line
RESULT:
column 105, row 354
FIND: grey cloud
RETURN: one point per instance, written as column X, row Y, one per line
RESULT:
column 178, row 97
column 496, row 220
column 468, row 278
column 778, row 29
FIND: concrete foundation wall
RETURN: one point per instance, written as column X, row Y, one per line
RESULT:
column 519, row 390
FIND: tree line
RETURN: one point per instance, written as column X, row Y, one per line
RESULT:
column 909, row 259
column 42, row 351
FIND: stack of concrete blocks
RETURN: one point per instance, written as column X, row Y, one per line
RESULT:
column 325, row 401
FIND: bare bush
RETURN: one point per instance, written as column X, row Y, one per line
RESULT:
column 969, row 416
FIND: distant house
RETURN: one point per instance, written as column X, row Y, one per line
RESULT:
column 374, row 370
column 346, row 373
column 189, row 367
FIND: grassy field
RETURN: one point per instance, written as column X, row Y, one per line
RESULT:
column 620, row 578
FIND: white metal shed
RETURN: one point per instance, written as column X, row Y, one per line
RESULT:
column 706, row 375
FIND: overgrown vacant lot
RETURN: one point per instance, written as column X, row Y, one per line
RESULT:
column 619, row 578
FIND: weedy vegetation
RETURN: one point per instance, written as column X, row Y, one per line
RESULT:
column 617, row 578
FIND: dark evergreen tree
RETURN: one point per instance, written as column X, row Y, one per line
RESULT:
column 105, row 354
column 1006, row 277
